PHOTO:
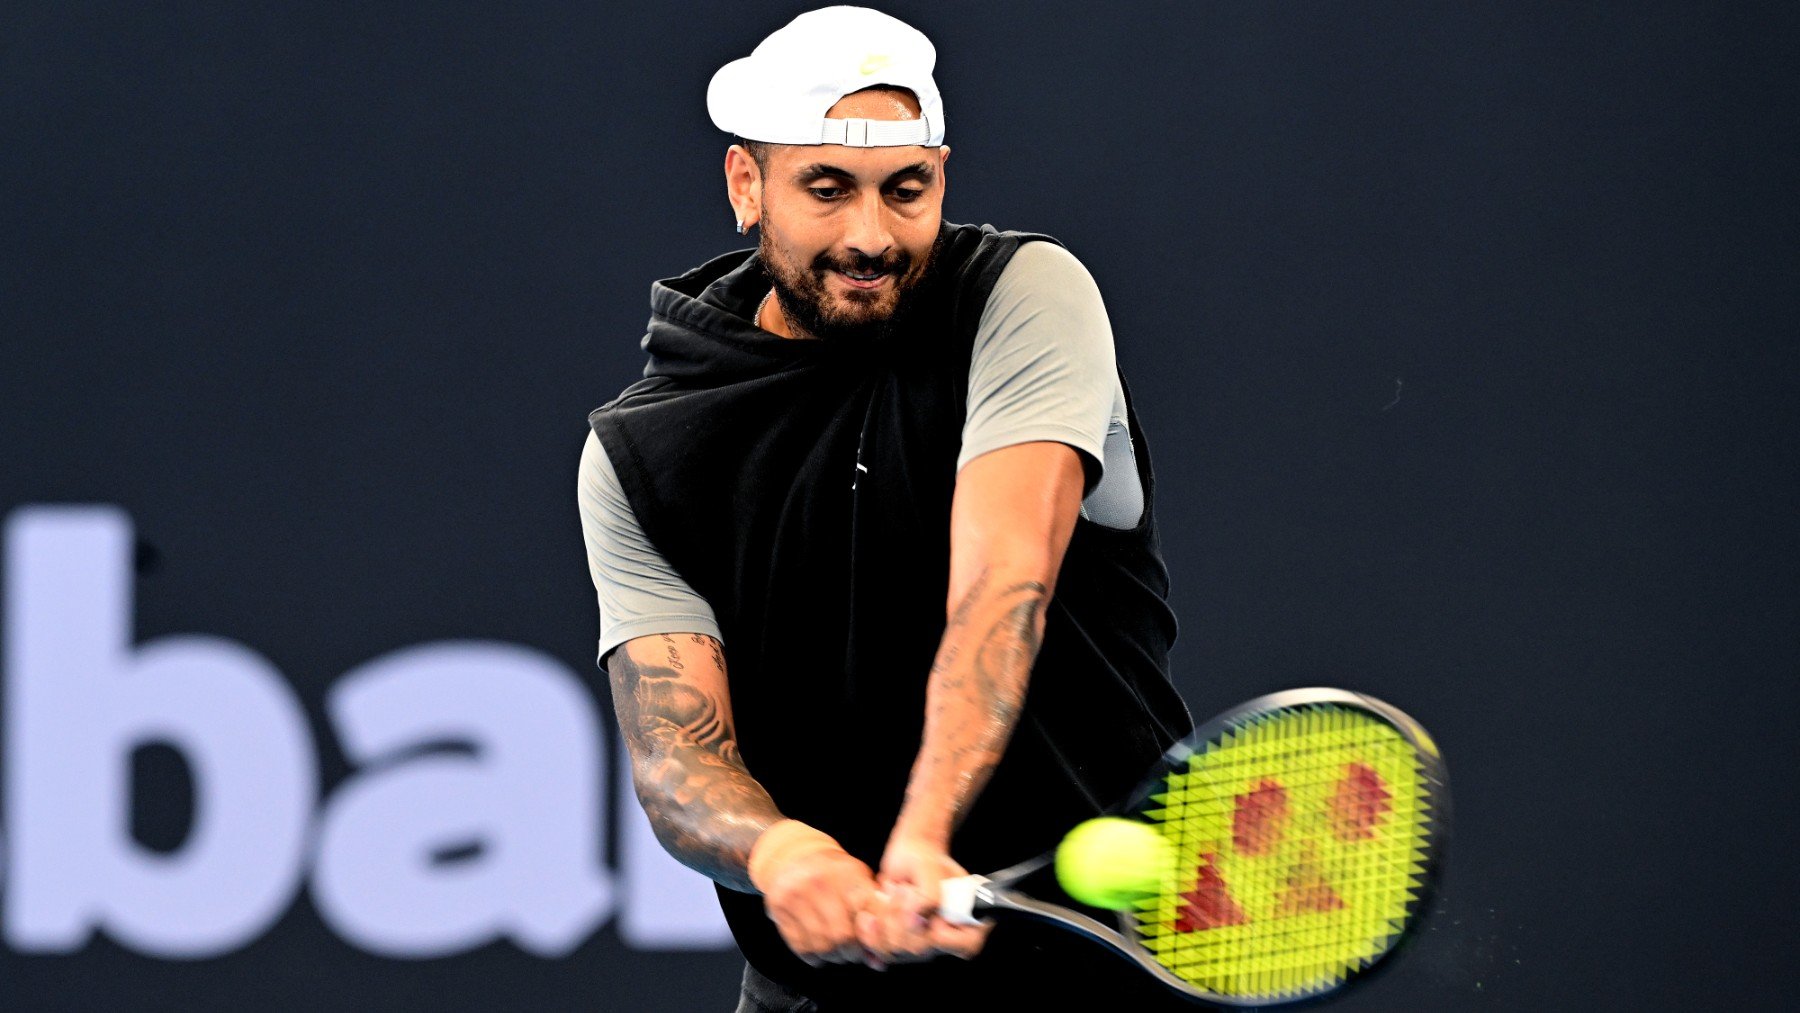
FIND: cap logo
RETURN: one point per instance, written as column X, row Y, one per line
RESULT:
column 874, row 62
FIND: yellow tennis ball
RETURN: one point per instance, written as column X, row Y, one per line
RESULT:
column 1111, row 862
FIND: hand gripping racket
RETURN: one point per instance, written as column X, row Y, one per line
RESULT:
column 1305, row 827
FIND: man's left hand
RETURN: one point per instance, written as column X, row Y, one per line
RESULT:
column 903, row 925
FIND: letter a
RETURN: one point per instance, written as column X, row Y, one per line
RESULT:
column 482, row 815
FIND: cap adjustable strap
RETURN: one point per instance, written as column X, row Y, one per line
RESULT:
column 859, row 133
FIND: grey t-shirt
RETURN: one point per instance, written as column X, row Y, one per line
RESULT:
column 1042, row 368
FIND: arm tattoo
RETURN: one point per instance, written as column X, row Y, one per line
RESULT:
column 705, row 807
column 977, row 690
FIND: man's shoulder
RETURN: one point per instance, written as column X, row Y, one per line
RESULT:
column 1045, row 269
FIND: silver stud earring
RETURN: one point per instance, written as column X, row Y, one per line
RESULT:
column 740, row 227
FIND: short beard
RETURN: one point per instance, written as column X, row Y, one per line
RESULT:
column 802, row 292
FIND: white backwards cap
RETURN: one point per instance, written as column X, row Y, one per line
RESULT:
column 781, row 91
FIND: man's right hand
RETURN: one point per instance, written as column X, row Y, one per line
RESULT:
column 812, row 889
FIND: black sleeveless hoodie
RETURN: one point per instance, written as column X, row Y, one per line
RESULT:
column 803, row 489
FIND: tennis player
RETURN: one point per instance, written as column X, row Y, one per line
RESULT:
column 878, row 576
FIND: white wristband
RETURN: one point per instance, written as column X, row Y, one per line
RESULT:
column 956, row 899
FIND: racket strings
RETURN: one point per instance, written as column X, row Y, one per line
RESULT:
column 1301, row 838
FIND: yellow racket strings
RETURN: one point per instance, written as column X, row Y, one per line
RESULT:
column 1301, row 838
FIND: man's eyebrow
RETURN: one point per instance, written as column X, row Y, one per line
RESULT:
column 819, row 170
column 921, row 171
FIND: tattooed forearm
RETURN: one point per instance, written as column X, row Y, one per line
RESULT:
column 976, row 691
column 702, row 802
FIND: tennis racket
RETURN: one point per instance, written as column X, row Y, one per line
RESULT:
column 1305, row 827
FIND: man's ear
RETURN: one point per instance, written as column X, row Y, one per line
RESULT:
column 743, row 186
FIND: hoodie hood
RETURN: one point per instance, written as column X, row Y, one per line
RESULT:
column 700, row 323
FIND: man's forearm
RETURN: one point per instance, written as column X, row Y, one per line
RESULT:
column 976, row 689
column 702, row 802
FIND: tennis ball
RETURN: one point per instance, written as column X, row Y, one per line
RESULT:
column 1111, row 862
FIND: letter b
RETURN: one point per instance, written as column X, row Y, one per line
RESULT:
column 79, row 700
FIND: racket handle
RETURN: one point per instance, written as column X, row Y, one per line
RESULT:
column 956, row 899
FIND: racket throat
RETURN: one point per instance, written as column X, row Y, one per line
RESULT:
column 965, row 899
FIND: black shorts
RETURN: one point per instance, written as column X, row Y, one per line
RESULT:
column 1022, row 967
column 760, row 995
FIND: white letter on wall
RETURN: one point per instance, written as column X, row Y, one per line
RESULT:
column 79, row 700
column 438, row 850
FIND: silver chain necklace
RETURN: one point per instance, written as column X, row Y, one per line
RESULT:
column 757, row 319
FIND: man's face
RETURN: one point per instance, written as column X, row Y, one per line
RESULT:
column 848, row 233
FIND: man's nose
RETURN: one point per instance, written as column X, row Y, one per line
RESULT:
column 869, row 234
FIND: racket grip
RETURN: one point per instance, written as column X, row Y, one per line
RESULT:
column 956, row 899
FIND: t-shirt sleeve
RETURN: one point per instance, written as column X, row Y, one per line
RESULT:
column 639, row 593
column 1042, row 367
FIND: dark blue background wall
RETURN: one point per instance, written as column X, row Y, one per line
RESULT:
column 1463, row 335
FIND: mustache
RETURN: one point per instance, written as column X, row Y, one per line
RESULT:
column 898, row 263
